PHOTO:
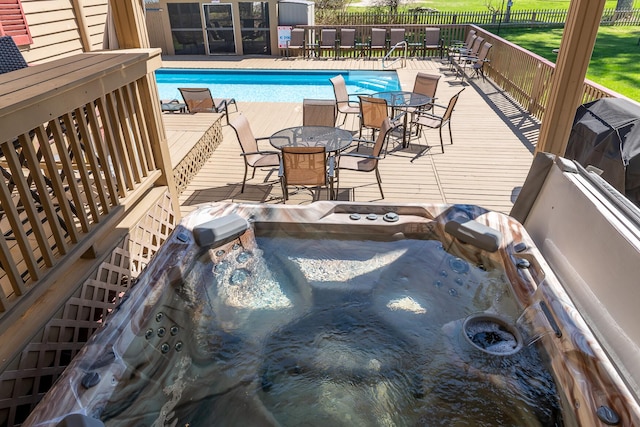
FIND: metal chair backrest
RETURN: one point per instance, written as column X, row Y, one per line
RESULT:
column 247, row 140
column 319, row 112
column 385, row 128
column 426, row 84
column 340, row 89
column 198, row 99
column 432, row 36
column 373, row 111
column 470, row 37
column 378, row 38
column 475, row 46
column 297, row 38
column 328, row 38
column 396, row 36
column 484, row 51
column 304, row 165
column 452, row 103
column 347, row 38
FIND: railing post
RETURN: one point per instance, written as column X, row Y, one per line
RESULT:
column 567, row 83
column 151, row 103
column 130, row 24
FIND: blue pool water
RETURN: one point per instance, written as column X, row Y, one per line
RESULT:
column 272, row 85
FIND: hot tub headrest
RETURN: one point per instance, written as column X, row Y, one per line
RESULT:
column 474, row 233
column 220, row 230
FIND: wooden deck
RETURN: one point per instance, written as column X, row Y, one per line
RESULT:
column 494, row 141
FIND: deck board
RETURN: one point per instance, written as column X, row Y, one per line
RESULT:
column 487, row 164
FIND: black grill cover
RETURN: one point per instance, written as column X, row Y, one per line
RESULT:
column 606, row 134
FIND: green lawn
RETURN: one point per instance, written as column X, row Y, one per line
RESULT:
column 481, row 5
column 615, row 62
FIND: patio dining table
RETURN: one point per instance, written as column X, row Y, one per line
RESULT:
column 332, row 138
column 404, row 101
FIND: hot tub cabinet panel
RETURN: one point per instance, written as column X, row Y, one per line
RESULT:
column 150, row 346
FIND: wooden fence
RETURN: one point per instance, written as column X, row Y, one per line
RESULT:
column 488, row 18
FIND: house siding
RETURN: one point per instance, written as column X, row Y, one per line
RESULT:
column 55, row 28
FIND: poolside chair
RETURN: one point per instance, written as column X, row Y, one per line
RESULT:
column 434, row 121
column 199, row 100
column 362, row 162
column 396, row 35
column 306, row 167
column 378, row 40
column 319, row 112
column 343, row 102
column 456, row 52
column 474, row 51
column 426, row 84
column 296, row 42
column 373, row 111
column 327, row 42
column 432, row 41
column 456, row 45
column 347, row 41
column 251, row 153
column 11, row 58
column 477, row 62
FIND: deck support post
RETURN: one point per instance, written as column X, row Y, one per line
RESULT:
column 130, row 24
column 567, row 83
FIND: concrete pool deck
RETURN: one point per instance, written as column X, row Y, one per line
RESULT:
column 494, row 141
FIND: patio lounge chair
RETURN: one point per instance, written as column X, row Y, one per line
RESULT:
column 347, row 41
column 434, row 121
column 378, row 40
column 456, row 52
column 478, row 61
column 251, row 153
column 296, row 42
column 11, row 58
column 456, row 45
column 306, row 167
column 432, row 41
column 327, row 41
column 426, row 84
column 362, row 162
column 373, row 111
column 199, row 100
column 397, row 35
column 319, row 112
column 343, row 101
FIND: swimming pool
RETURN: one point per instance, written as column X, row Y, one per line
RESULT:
column 272, row 85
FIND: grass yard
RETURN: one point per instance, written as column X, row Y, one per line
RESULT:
column 481, row 5
column 615, row 62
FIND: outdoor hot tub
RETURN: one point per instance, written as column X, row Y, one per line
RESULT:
column 343, row 314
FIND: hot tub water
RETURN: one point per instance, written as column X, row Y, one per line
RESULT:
column 289, row 331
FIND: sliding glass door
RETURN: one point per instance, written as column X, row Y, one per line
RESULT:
column 219, row 27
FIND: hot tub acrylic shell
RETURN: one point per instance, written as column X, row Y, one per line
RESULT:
column 590, row 387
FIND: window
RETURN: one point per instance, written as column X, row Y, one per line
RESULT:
column 256, row 37
column 13, row 23
column 186, row 28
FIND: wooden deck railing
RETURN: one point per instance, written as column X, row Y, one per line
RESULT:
column 526, row 76
column 81, row 142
